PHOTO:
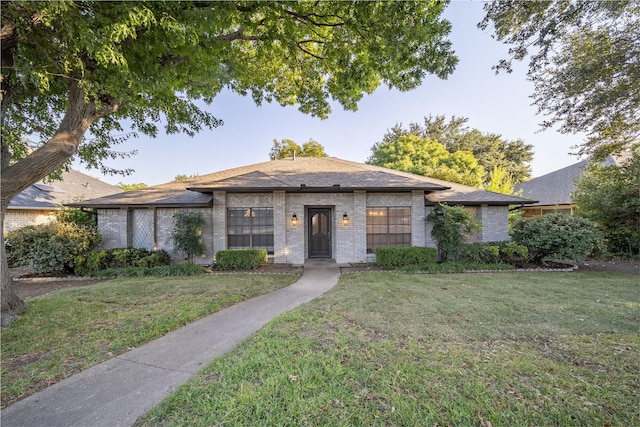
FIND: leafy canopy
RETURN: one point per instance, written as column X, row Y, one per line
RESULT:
column 610, row 196
column 287, row 148
column 425, row 156
column 150, row 61
column 585, row 65
column 489, row 149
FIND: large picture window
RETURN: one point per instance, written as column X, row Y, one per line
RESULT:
column 250, row 228
column 388, row 226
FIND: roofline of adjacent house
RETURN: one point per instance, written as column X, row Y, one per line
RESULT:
column 34, row 208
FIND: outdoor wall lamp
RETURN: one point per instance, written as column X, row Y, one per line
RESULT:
column 294, row 220
column 345, row 219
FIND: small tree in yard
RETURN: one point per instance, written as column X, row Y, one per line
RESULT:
column 187, row 234
column 558, row 236
column 451, row 226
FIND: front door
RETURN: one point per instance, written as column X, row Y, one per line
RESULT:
column 320, row 233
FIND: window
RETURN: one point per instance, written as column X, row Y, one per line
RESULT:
column 388, row 227
column 250, row 228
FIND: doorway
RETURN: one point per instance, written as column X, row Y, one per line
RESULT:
column 319, row 233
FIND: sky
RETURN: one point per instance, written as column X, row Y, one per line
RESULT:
column 493, row 104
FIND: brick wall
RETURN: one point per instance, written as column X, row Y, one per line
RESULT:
column 495, row 223
column 18, row 218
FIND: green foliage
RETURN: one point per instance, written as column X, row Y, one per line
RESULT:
column 390, row 257
column 240, row 259
column 610, row 196
column 153, row 60
column 425, row 156
column 451, row 226
column 81, row 217
column 558, row 236
column 286, row 148
column 131, row 187
column 493, row 253
column 118, row 258
column 585, row 65
column 489, row 149
column 49, row 247
column 185, row 269
column 187, row 234
column 183, row 177
column 500, row 181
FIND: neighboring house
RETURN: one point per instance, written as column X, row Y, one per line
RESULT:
column 38, row 203
column 299, row 208
column 553, row 191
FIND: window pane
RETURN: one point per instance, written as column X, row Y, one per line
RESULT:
column 388, row 227
column 250, row 228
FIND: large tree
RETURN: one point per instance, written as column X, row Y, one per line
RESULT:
column 584, row 62
column 425, row 156
column 289, row 148
column 610, row 196
column 72, row 72
column 489, row 149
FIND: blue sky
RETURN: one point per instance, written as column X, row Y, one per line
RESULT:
column 492, row 103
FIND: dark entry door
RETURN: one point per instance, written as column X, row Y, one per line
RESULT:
column 320, row 233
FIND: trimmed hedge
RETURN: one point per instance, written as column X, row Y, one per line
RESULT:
column 240, row 259
column 119, row 258
column 403, row 256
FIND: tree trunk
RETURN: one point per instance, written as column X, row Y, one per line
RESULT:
column 12, row 305
column 37, row 165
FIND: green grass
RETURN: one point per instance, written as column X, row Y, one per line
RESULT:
column 66, row 331
column 504, row 349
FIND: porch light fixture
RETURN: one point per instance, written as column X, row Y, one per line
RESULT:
column 294, row 220
column 345, row 219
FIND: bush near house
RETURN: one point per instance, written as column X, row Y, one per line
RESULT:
column 119, row 258
column 505, row 252
column 49, row 247
column 240, row 259
column 396, row 257
column 558, row 236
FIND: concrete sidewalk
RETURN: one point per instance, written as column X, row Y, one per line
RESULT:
column 119, row 391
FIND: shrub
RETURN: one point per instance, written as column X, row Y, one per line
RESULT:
column 86, row 218
column 49, row 247
column 451, row 225
column 558, row 236
column 493, row 253
column 119, row 258
column 235, row 259
column 187, row 234
column 394, row 257
column 158, row 271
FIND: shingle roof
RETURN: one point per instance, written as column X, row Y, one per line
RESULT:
column 554, row 188
column 74, row 186
column 557, row 187
column 302, row 174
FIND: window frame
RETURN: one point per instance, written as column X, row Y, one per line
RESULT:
column 384, row 237
column 256, row 229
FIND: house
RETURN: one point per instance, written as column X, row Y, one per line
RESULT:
column 38, row 203
column 298, row 208
column 554, row 190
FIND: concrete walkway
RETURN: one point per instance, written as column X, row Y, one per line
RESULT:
column 119, row 391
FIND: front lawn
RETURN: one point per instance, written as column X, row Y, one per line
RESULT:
column 66, row 331
column 384, row 348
